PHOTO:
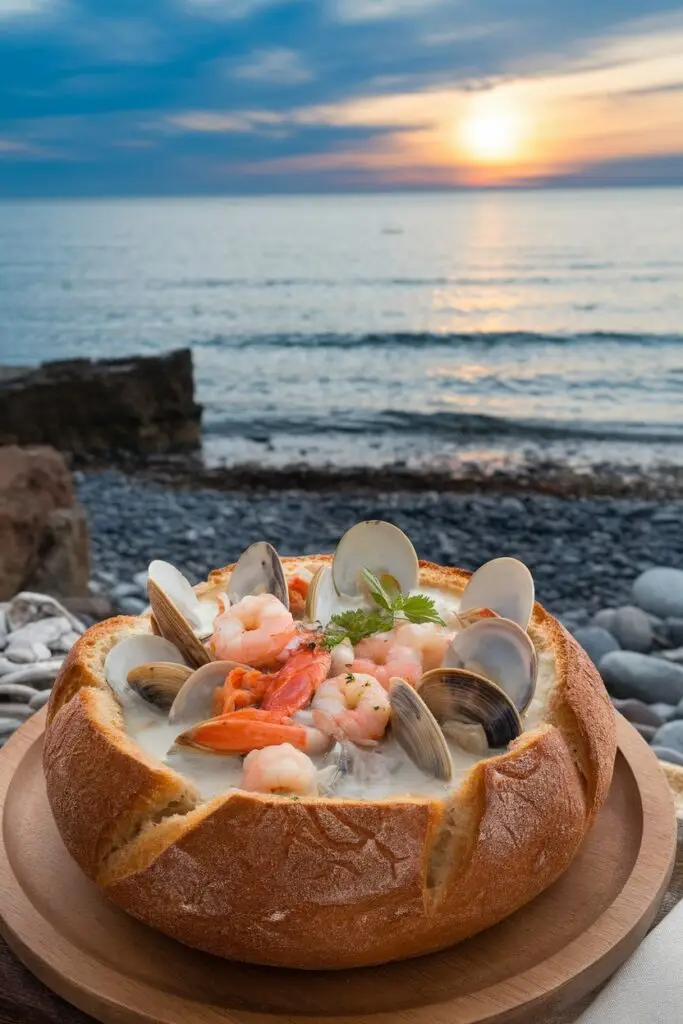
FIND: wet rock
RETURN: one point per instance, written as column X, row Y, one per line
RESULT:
column 141, row 404
column 43, row 530
column 605, row 618
column 596, row 641
column 664, row 711
column 638, row 712
column 660, row 592
column 629, row 674
column 17, row 692
column 670, row 735
column 40, row 700
column 667, row 754
column 632, row 629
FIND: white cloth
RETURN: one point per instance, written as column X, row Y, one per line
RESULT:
column 648, row 988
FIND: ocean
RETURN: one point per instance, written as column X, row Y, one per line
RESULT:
column 429, row 330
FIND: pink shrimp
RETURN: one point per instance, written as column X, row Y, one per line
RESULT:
column 279, row 769
column 352, row 706
column 254, row 631
column 383, row 657
column 428, row 639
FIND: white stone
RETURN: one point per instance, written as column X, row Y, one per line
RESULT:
column 65, row 643
column 40, row 700
column 47, row 631
column 41, row 676
column 20, row 653
column 28, row 607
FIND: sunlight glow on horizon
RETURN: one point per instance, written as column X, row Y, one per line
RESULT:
column 491, row 131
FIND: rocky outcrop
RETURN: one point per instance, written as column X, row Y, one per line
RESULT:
column 44, row 543
column 142, row 405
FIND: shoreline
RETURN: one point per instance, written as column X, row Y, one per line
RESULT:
column 543, row 477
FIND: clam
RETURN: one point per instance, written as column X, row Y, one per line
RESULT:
column 320, row 600
column 258, row 571
column 336, row 766
column 417, row 730
column 129, row 654
column 457, row 697
column 174, row 625
column 158, row 682
column 380, row 547
column 200, row 613
column 503, row 585
column 500, row 650
column 194, row 700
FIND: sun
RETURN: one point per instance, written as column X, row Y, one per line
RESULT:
column 491, row 133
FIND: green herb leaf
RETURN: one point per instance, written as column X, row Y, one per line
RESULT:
column 381, row 597
column 356, row 625
column 420, row 608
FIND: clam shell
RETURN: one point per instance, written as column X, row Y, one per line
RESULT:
column 193, row 701
column 321, row 597
column 418, row 732
column 504, row 585
column 258, row 571
column 133, row 651
column 158, row 682
column 457, row 695
column 175, row 627
column 500, row 650
column 200, row 614
column 380, row 547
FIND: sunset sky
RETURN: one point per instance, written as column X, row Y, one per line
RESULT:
column 209, row 96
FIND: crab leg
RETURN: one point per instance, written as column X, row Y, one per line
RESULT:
column 252, row 729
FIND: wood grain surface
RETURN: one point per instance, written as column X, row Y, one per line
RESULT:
column 548, row 954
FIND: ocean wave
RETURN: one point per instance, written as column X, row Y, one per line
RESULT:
column 444, row 424
column 430, row 339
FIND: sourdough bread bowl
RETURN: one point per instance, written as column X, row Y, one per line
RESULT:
column 327, row 882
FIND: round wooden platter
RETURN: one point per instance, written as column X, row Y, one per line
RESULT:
column 548, row 954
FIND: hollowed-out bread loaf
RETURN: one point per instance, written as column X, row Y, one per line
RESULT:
column 323, row 882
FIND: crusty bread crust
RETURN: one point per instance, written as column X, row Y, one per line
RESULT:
column 325, row 883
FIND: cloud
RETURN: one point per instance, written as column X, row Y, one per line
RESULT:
column 277, row 66
column 380, row 10
column 22, row 8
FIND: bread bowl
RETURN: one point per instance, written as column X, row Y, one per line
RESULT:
column 327, row 881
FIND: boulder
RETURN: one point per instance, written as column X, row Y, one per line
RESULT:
column 628, row 674
column 44, row 542
column 660, row 592
column 596, row 642
column 139, row 405
column 632, row 628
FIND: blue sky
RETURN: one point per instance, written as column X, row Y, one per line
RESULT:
column 204, row 96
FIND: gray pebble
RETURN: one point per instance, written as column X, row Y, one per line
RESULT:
column 596, row 641
column 40, row 700
column 605, row 618
column 674, row 631
column 45, row 632
column 15, row 691
column 65, row 643
column 8, row 725
column 667, row 754
column 629, row 674
column 665, row 711
column 122, row 590
column 676, row 656
column 670, row 735
column 19, row 711
column 646, row 731
column 21, row 654
column 41, row 676
column 28, row 607
column 638, row 712
column 632, row 629
column 660, row 592
column 140, row 581
column 6, row 666
column 131, row 606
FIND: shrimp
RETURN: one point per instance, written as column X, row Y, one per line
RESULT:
column 279, row 769
column 297, row 589
column 342, row 658
column 253, row 631
column 252, row 729
column 353, row 706
column 293, row 686
column 428, row 639
column 383, row 657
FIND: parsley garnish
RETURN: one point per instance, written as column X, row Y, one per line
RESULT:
column 355, row 625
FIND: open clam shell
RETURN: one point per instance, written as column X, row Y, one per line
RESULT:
column 175, row 627
column 200, row 614
column 194, row 701
column 417, row 730
column 158, row 682
column 258, row 571
column 458, row 696
column 504, row 585
column 140, row 649
column 500, row 650
column 321, row 597
column 380, row 547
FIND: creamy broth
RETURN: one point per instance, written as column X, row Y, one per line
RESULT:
column 392, row 775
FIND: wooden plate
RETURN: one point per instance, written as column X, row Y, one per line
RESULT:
column 548, row 954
